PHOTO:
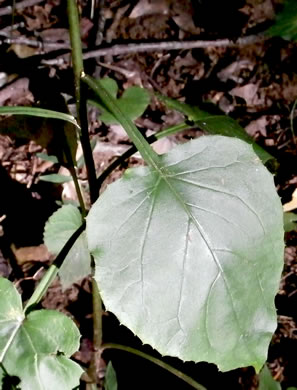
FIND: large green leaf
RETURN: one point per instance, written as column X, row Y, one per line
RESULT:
column 59, row 228
column 189, row 257
column 36, row 348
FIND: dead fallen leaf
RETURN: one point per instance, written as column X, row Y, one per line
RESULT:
column 292, row 205
column 16, row 92
column 247, row 92
column 31, row 253
column 150, row 7
column 257, row 126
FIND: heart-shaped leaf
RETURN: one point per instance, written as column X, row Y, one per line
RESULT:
column 58, row 229
column 36, row 348
column 189, row 256
column 133, row 102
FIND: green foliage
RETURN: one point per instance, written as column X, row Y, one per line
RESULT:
column 133, row 102
column 46, row 157
column 110, row 382
column 286, row 22
column 38, row 112
column 59, row 228
column 55, row 178
column 183, row 253
column 290, row 222
column 36, row 348
column 266, row 381
column 215, row 124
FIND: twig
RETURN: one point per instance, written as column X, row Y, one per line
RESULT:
column 34, row 43
column 161, row 46
column 174, row 45
column 22, row 4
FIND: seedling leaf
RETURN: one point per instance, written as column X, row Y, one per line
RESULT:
column 110, row 382
column 58, row 229
column 133, row 102
column 189, row 256
column 55, row 178
column 37, row 348
column 266, row 381
column 290, row 222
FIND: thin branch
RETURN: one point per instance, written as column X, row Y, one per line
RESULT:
column 160, row 46
column 131, row 47
column 22, row 4
column 174, row 45
column 39, row 44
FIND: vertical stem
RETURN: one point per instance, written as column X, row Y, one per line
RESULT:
column 82, row 118
column 97, row 331
column 80, row 95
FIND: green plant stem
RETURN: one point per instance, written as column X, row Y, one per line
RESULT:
column 78, row 191
column 80, row 95
column 97, row 330
column 52, row 272
column 292, row 121
column 156, row 361
column 144, row 148
column 82, row 118
column 151, row 139
column 72, row 170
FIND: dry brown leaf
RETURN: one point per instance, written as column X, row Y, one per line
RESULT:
column 31, row 253
column 292, row 205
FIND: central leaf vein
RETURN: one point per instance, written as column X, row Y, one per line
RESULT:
column 144, row 240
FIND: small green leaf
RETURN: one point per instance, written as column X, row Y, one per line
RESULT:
column 286, row 22
column 290, row 222
column 216, row 124
column 189, row 254
column 133, row 102
column 110, row 382
column 109, row 84
column 58, row 229
column 37, row 348
column 46, row 157
column 55, row 178
column 266, row 381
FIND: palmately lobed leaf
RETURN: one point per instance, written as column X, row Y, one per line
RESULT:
column 36, row 348
column 190, row 257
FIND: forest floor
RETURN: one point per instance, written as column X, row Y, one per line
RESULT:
column 254, row 82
